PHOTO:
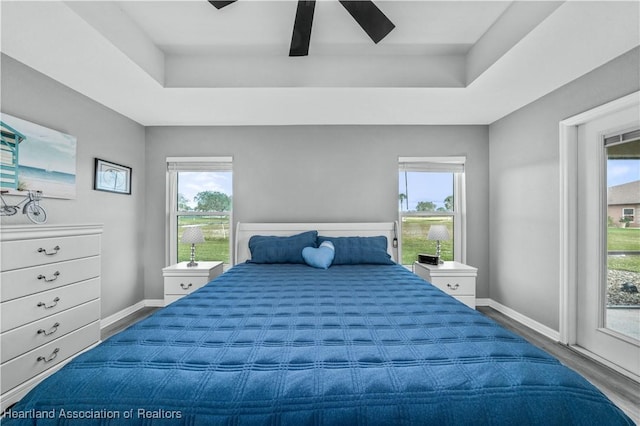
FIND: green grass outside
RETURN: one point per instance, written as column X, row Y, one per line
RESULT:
column 216, row 235
column 415, row 230
column 414, row 238
column 627, row 239
column 623, row 239
column 624, row 263
column 216, row 238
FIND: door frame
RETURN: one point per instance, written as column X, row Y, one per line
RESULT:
column 568, row 235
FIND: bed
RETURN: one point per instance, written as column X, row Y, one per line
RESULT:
column 292, row 344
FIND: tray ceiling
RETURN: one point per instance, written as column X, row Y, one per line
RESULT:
column 188, row 63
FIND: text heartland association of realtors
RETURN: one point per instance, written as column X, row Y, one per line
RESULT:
column 61, row 413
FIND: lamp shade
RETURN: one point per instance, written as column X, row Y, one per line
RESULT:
column 438, row 232
column 192, row 235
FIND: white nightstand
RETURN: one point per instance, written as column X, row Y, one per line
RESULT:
column 180, row 280
column 454, row 278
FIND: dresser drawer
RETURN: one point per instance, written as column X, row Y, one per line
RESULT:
column 31, row 308
column 22, row 282
column 456, row 286
column 183, row 285
column 23, row 339
column 41, row 251
column 22, row 368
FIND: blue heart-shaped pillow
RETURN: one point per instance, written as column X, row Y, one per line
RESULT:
column 320, row 257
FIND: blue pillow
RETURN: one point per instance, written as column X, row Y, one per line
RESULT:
column 320, row 257
column 271, row 249
column 359, row 250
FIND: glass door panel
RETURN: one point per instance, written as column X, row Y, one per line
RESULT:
column 622, row 293
column 607, row 175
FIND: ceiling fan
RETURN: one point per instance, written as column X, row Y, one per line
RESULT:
column 365, row 12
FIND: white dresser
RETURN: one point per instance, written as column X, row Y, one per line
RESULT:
column 49, row 301
column 454, row 278
column 180, row 279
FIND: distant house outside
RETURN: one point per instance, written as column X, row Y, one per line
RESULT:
column 623, row 205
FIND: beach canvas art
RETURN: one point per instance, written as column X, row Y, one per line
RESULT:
column 33, row 157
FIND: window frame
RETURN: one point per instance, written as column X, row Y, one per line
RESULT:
column 175, row 165
column 626, row 215
column 455, row 165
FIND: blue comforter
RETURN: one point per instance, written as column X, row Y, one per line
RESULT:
column 294, row 345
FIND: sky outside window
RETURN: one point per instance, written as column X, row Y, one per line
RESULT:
column 622, row 171
column 191, row 183
column 424, row 187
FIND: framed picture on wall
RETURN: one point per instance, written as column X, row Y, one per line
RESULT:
column 112, row 177
column 36, row 158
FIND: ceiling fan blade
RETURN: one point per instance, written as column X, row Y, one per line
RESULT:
column 302, row 28
column 370, row 18
column 219, row 4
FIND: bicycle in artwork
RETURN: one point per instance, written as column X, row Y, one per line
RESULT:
column 30, row 206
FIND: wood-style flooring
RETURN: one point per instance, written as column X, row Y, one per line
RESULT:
column 624, row 392
column 125, row 322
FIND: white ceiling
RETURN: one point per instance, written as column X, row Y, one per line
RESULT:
column 266, row 26
column 187, row 63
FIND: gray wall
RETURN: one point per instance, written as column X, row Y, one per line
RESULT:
column 326, row 173
column 524, row 182
column 101, row 133
column 316, row 173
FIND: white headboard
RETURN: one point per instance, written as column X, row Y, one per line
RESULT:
column 244, row 231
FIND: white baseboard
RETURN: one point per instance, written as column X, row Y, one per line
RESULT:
column 483, row 302
column 111, row 319
column 522, row 319
column 154, row 303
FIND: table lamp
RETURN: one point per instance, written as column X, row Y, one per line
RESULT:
column 192, row 235
column 438, row 233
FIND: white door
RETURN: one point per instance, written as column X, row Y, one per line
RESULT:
column 608, row 318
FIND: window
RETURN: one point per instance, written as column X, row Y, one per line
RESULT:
column 628, row 214
column 199, row 193
column 431, row 192
column 621, row 260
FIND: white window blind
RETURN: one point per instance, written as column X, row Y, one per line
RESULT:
column 199, row 164
column 432, row 164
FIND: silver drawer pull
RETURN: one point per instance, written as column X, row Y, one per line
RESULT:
column 51, row 330
column 56, row 274
column 53, row 356
column 43, row 250
column 44, row 305
column 185, row 287
column 453, row 287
